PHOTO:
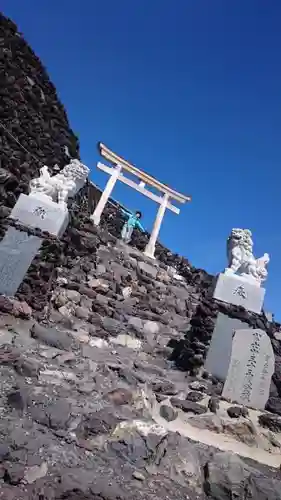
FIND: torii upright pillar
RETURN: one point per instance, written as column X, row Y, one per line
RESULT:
column 150, row 247
column 106, row 194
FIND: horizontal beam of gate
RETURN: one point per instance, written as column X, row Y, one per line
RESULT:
column 137, row 187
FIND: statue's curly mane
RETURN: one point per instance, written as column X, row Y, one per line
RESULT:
column 241, row 238
column 78, row 170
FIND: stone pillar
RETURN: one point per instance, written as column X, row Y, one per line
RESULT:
column 105, row 195
column 18, row 248
column 17, row 251
column 150, row 247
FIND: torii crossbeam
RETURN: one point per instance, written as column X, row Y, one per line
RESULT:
column 164, row 198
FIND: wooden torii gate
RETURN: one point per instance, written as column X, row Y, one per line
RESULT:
column 166, row 193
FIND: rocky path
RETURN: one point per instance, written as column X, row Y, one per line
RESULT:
column 87, row 419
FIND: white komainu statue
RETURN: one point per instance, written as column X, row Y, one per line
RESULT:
column 241, row 259
column 58, row 188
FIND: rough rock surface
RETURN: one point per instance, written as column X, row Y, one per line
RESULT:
column 97, row 394
column 101, row 352
column 32, row 113
column 89, row 263
column 84, row 417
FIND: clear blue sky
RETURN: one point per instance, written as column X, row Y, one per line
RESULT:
column 190, row 91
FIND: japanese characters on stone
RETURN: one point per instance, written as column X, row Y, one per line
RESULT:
column 40, row 212
column 240, row 290
column 251, row 365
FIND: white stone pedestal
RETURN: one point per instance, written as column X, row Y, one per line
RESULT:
column 17, row 251
column 39, row 212
column 219, row 353
column 236, row 290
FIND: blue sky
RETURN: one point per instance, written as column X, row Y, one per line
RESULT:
column 190, row 91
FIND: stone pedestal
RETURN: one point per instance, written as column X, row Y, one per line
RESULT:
column 39, row 212
column 17, row 251
column 238, row 291
column 219, row 353
column 18, row 248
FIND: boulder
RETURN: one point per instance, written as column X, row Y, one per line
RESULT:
column 168, row 413
column 237, row 411
column 227, row 477
column 51, row 336
column 274, row 405
column 272, row 422
column 195, row 396
column 188, row 406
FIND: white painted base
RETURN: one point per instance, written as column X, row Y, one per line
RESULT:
column 39, row 212
column 95, row 219
column 237, row 291
column 149, row 254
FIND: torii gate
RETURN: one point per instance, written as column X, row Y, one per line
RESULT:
column 166, row 193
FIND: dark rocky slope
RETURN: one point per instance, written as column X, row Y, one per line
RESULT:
column 86, row 378
column 34, row 129
column 87, row 395
column 82, row 240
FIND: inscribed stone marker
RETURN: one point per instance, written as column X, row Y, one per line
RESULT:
column 219, row 353
column 17, row 251
column 251, row 368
